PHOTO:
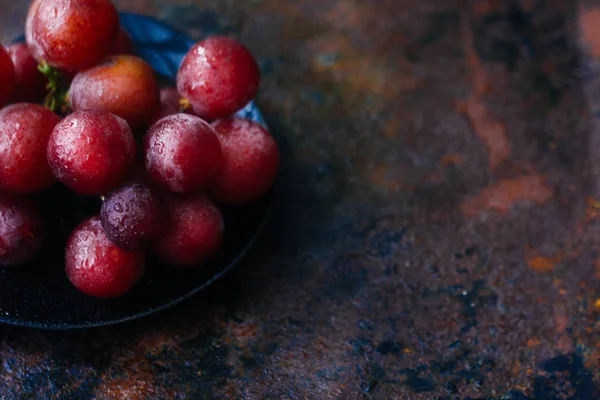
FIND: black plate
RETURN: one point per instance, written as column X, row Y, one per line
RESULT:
column 39, row 295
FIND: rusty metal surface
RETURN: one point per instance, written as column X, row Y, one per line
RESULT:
column 437, row 233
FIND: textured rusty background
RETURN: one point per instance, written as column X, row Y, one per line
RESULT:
column 437, row 231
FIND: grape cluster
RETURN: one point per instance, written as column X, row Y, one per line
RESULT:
column 79, row 109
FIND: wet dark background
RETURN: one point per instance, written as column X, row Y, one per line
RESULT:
column 437, row 227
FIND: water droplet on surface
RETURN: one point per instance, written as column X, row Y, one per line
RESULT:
column 118, row 207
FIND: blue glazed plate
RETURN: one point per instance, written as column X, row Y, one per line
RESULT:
column 39, row 295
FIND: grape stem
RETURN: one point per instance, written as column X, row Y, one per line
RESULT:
column 58, row 92
column 184, row 105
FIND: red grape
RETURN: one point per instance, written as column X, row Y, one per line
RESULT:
column 182, row 153
column 132, row 216
column 250, row 161
column 22, row 229
column 73, row 35
column 123, row 44
column 24, row 132
column 194, row 232
column 218, row 76
column 31, row 83
column 123, row 85
column 169, row 104
column 96, row 266
column 91, row 151
column 7, row 76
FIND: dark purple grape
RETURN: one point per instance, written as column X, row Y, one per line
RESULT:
column 131, row 216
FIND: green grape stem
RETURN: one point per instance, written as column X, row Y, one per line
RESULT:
column 58, row 91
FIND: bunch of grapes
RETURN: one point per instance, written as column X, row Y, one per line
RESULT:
column 79, row 109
